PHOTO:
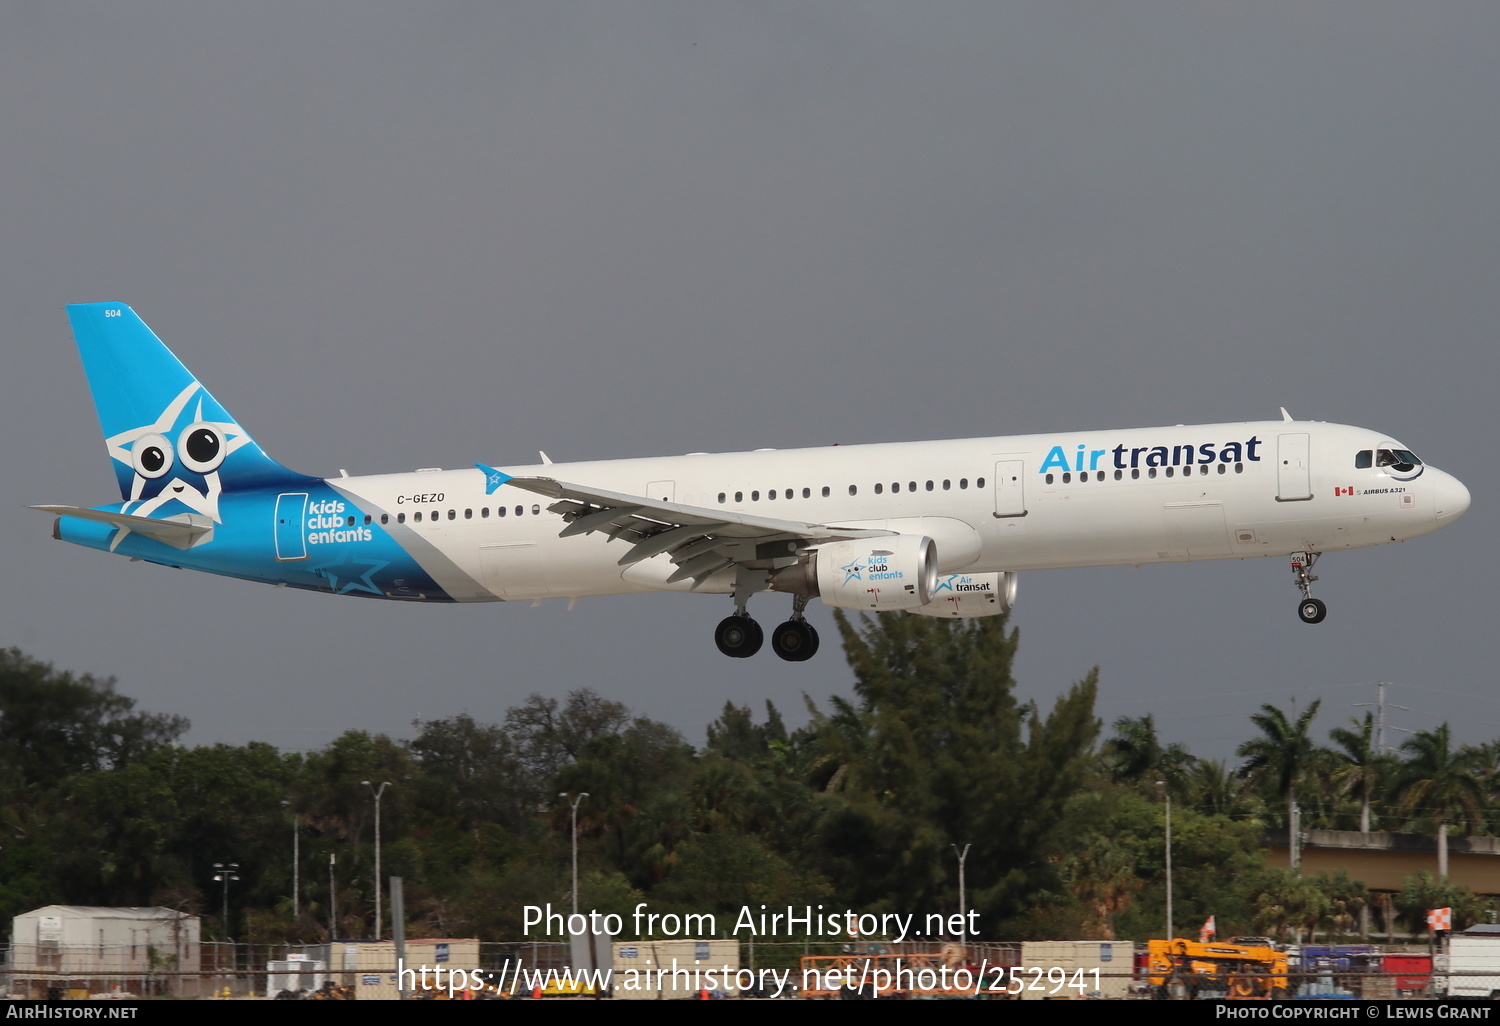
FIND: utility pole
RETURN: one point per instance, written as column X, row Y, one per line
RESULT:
column 1168, row 796
column 378, row 902
column 576, row 799
column 963, row 908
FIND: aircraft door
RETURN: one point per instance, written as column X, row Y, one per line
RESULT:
column 1293, row 468
column 1010, row 491
column 662, row 491
column 291, row 512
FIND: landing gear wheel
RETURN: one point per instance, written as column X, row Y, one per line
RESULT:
column 1312, row 610
column 795, row 641
column 738, row 637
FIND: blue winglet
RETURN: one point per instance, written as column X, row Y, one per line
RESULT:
column 492, row 478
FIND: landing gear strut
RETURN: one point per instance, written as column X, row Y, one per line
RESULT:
column 740, row 637
column 795, row 641
column 1311, row 610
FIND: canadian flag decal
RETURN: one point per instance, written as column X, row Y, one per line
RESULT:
column 1344, row 491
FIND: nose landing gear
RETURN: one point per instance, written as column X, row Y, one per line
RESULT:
column 1311, row 610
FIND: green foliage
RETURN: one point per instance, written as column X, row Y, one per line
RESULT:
column 53, row 725
column 937, row 754
column 1422, row 892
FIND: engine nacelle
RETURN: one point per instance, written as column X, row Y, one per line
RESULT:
column 967, row 595
column 892, row 572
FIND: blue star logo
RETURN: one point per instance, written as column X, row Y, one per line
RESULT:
column 345, row 576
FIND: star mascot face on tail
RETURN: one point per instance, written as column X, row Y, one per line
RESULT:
column 176, row 459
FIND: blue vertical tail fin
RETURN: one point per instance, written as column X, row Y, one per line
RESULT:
column 169, row 439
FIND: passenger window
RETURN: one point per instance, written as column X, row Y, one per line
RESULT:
column 1151, row 472
column 895, row 487
column 825, row 491
column 1239, row 468
column 499, row 511
column 1049, row 479
column 755, row 496
column 385, row 518
column 807, row 493
column 367, row 519
column 929, row 486
column 911, row 486
column 1135, row 473
column 468, row 514
column 1067, row 479
column 484, row 514
column 879, row 488
column 979, row 483
column 788, row 493
column 721, row 498
column 1222, row 468
column 739, row 496
column 771, row 494
column 417, row 516
column 1169, row 471
column 400, row 518
column 854, row 489
column 963, row 482
column 520, row 510
column 947, row 485
column 536, row 511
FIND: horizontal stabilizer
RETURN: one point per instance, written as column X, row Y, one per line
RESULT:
column 180, row 532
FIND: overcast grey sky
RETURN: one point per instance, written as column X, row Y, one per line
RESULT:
column 391, row 236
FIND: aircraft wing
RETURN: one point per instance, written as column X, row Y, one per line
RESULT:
column 180, row 532
column 700, row 541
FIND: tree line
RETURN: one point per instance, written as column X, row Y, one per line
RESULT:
column 867, row 807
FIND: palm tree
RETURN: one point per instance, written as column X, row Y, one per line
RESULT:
column 1438, row 784
column 1282, row 755
column 1136, row 755
column 1359, row 765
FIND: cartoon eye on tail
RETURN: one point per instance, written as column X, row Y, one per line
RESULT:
column 151, row 455
column 201, row 447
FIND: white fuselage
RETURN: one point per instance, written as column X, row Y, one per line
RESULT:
column 1025, row 502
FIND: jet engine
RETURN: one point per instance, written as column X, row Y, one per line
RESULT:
column 965, row 595
column 892, row 572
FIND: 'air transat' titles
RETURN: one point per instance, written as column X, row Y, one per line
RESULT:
column 1124, row 457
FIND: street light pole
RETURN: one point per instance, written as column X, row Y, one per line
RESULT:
column 296, row 864
column 224, row 873
column 1168, row 796
column 378, row 900
column 576, row 799
column 963, row 909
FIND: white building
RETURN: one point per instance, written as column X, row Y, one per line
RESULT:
column 102, row 950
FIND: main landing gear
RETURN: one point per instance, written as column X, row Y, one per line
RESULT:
column 1311, row 610
column 740, row 637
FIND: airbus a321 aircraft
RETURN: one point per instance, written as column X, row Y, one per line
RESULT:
column 934, row 528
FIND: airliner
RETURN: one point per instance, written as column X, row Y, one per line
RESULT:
column 934, row 528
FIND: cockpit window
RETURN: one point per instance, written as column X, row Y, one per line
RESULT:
column 1362, row 460
column 1397, row 459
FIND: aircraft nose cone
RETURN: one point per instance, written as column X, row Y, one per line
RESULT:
column 1452, row 501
